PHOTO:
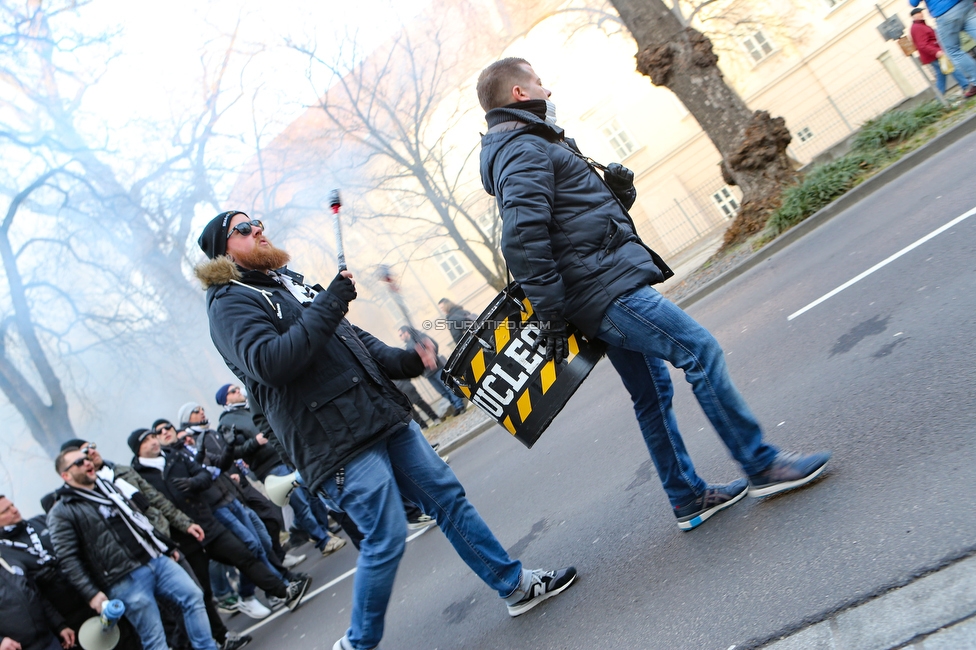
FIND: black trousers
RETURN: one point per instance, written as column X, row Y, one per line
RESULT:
column 225, row 547
column 195, row 557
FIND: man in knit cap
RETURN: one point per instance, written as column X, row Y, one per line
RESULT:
column 325, row 387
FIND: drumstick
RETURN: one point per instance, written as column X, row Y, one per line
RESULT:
column 336, row 203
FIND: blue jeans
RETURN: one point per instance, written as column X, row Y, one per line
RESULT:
column 940, row 78
column 962, row 17
column 455, row 401
column 163, row 578
column 643, row 330
column 246, row 525
column 405, row 463
column 310, row 513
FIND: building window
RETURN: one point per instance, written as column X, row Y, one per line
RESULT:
column 758, row 46
column 449, row 263
column 804, row 134
column 621, row 141
column 726, row 202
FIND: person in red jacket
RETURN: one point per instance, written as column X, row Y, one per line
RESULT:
column 929, row 51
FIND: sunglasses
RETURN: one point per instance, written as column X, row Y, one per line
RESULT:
column 90, row 445
column 246, row 227
column 81, row 461
column 164, row 427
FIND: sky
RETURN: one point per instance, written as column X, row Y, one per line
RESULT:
column 156, row 73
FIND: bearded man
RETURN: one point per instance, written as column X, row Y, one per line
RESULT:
column 325, row 387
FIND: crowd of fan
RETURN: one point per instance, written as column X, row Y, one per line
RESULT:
column 179, row 535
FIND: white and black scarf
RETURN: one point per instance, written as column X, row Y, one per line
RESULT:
column 109, row 497
column 36, row 548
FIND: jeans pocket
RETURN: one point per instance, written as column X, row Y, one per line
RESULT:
column 611, row 334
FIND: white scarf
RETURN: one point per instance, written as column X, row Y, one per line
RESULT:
column 159, row 462
column 108, row 495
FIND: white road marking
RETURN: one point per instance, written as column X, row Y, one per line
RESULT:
column 312, row 594
column 910, row 247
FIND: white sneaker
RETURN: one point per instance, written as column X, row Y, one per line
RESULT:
column 253, row 608
column 343, row 644
column 333, row 545
column 420, row 523
column 292, row 560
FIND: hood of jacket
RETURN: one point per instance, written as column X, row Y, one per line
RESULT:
column 509, row 123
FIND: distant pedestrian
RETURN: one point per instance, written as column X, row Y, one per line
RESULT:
column 952, row 17
column 929, row 51
column 417, row 402
column 458, row 319
column 411, row 338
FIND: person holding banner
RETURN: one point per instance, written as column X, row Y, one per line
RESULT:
column 326, row 389
column 572, row 246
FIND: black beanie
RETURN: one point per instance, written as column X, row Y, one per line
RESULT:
column 136, row 438
column 74, row 442
column 213, row 240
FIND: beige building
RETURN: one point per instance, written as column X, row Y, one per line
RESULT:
column 821, row 64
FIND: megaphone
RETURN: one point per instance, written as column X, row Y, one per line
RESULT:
column 279, row 488
column 102, row 632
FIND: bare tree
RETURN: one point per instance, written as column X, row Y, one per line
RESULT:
column 95, row 242
column 388, row 118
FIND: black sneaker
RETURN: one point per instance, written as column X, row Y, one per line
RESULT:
column 544, row 584
column 235, row 641
column 789, row 470
column 296, row 591
column 715, row 499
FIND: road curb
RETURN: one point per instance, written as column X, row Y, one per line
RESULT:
column 467, row 436
column 939, row 143
column 937, row 610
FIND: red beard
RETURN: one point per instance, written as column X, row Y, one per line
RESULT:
column 263, row 258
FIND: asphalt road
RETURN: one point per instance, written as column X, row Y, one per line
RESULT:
column 882, row 374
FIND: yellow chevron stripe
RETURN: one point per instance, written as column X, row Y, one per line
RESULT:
column 573, row 348
column 478, row 365
column 466, row 391
column 548, row 375
column 502, row 335
column 524, row 405
column 507, row 422
column 528, row 310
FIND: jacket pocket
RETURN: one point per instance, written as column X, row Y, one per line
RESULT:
column 614, row 237
column 340, row 405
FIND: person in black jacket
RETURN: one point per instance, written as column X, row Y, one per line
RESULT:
column 185, row 483
column 412, row 337
column 108, row 549
column 254, row 448
column 27, row 620
column 458, row 318
column 571, row 244
column 28, row 543
column 325, row 387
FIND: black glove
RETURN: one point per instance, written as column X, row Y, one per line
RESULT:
column 619, row 178
column 553, row 336
column 183, row 484
column 343, row 289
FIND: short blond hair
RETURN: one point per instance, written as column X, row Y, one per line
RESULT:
column 495, row 82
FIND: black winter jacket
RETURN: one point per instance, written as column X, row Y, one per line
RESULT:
column 25, row 616
column 458, row 320
column 567, row 239
column 323, row 384
column 193, row 502
column 238, row 423
column 90, row 555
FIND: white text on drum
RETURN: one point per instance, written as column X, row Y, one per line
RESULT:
column 498, row 388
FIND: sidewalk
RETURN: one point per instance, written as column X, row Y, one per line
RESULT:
column 935, row 612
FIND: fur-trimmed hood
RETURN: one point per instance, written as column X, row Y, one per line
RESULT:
column 217, row 272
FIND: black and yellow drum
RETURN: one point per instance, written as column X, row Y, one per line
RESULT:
column 494, row 367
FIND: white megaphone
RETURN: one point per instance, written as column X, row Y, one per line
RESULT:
column 279, row 488
column 102, row 632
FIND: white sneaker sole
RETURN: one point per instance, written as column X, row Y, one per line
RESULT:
column 521, row 609
column 692, row 524
column 783, row 487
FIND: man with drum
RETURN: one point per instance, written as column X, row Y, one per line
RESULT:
column 570, row 243
column 325, row 387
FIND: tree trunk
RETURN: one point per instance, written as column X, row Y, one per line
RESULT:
column 752, row 144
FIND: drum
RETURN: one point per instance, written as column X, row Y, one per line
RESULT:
column 494, row 367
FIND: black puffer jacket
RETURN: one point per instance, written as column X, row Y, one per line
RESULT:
column 91, row 556
column 323, row 384
column 238, row 422
column 566, row 238
column 25, row 616
column 192, row 502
